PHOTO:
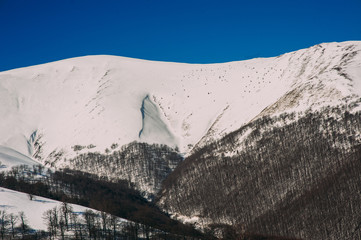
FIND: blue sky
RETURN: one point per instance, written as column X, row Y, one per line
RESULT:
column 197, row 31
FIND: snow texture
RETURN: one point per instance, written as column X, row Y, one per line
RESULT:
column 10, row 158
column 101, row 100
column 15, row 202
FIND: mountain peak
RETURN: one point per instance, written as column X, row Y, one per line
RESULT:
column 100, row 100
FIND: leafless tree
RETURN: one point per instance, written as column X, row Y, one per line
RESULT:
column 4, row 222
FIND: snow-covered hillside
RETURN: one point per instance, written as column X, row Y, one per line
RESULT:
column 10, row 158
column 90, row 113
column 15, row 202
column 96, row 101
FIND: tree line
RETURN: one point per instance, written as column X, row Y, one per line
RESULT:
column 116, row 198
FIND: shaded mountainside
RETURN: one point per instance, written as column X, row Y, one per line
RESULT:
column 98, row 193
column 143, row 165
column 296, row 176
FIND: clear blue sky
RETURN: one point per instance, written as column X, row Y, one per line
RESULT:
column 193, row 31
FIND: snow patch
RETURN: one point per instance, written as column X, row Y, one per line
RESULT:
column 15, row 202
column 10, row 158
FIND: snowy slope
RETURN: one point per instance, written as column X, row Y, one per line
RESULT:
column 10, row 158
column 101, row 100
column 15, row 202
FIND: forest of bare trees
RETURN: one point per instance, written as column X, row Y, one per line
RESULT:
column 115, row 198
column 288, row 176
column 143, row 165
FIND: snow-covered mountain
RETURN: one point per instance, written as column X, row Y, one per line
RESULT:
column 238, row 124
column 294, row 168
column 97, row 101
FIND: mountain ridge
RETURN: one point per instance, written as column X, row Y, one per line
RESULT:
column 174, row 88
column 175, row 62
column 237, row 124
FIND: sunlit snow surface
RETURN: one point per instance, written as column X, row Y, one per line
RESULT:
column 102, row 100
column 15, row 202
column 10, row 158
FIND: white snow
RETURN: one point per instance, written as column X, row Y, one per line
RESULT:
column 353, row 70
column 15, row 202
column 97, row 99
column 10, row 158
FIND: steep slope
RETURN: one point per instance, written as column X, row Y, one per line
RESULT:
column 57, row 111
column 300, row 180
column 10, row 158
column 46, row 218
column 13, row 202
column 144, row 165
column 97, row 99
column 323, row 75
column 294, row 169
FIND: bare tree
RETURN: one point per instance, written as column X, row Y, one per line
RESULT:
column 104, row 217
column 76, row 225
column 13, row 219
column 89, row 217
column 4, row 222
column 114, row 223
column 23, row 224
column 66, row 210
column 62, row 227
column 50, row 217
